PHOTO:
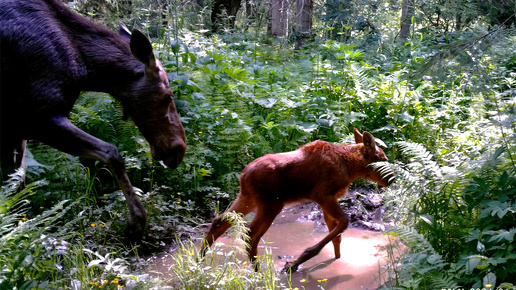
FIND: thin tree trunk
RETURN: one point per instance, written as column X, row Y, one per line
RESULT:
column 304, row 14
column 230, row 7
column 458, row 22
column 407, row 12
column 279, row 23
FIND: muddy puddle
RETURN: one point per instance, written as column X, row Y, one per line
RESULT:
column 293, row 231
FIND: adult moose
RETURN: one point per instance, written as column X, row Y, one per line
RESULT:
column 50, row 54
column 319, row 172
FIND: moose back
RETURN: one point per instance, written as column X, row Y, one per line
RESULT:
column 48, row 55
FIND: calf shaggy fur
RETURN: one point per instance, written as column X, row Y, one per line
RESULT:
column 319, row 172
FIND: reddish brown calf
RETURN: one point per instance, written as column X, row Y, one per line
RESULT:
column 319, row 172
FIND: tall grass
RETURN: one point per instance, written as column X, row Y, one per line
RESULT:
column 224, row 267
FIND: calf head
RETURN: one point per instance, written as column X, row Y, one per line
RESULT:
column 372, row 154
column 150, row 103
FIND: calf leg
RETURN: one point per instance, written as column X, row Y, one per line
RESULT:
column 242, row 204
column 331, row 224
column 63, row 135
column 265, row 215
column 331, row 208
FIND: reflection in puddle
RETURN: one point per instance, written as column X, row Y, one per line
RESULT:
column 290, row 234
column 357, row 268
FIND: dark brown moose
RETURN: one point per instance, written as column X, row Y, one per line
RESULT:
column 50, row 54
column 319, row 172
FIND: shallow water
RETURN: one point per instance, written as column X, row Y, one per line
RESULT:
column 291, row 233
column 357, row 268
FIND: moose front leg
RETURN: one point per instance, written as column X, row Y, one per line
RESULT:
column 61, row 134
column 332, row 211
column 331, row 224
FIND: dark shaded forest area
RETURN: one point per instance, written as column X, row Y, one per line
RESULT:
column 434, row 81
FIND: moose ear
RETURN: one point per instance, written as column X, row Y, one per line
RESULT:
column 124, row 32
column 369, row 143
column 358, row 136
column 142, row 49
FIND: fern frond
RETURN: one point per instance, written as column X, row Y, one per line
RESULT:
column 13, row 201
column 422, row 265
column 389, row 170
column 82, row 110
column 360, row 77
column 416, row 241
column 420, row 155
column 440, row 281
column 416, row 151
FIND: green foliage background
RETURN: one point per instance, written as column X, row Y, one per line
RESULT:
column 441, row 105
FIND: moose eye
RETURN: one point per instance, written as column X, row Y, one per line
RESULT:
column 167, row 99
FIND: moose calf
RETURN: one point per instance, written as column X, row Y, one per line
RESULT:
column 319, row 172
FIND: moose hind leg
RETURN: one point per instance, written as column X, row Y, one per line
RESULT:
column 219, row 226
column 331, row 207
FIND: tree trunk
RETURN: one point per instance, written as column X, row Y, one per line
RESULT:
column 279, row 23
column 407, row 12
column 229, row 7
column 304, row 14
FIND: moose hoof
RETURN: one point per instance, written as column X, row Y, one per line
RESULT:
column 290, row 267
column 135, row 229
column 133, row 233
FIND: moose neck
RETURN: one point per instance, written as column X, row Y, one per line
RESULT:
column 109, row 63
column 353, row 158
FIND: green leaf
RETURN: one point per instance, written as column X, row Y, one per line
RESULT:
column 175, row 45
column 433, row 259
column 503, row 235
column 473, row 262
column 29, row 284
column 489, row 279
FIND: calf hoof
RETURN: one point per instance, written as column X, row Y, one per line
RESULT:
column 290, row 267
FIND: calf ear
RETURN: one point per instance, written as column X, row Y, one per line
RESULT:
column 142, row 49
column 369, row 143
column 358, row 136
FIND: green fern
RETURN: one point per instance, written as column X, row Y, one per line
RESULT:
column 441, row 281
column 13, row 201
column 426, row 268
column 421, row 159
column 360, row 78
column 414, row 240
column 26, row 243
